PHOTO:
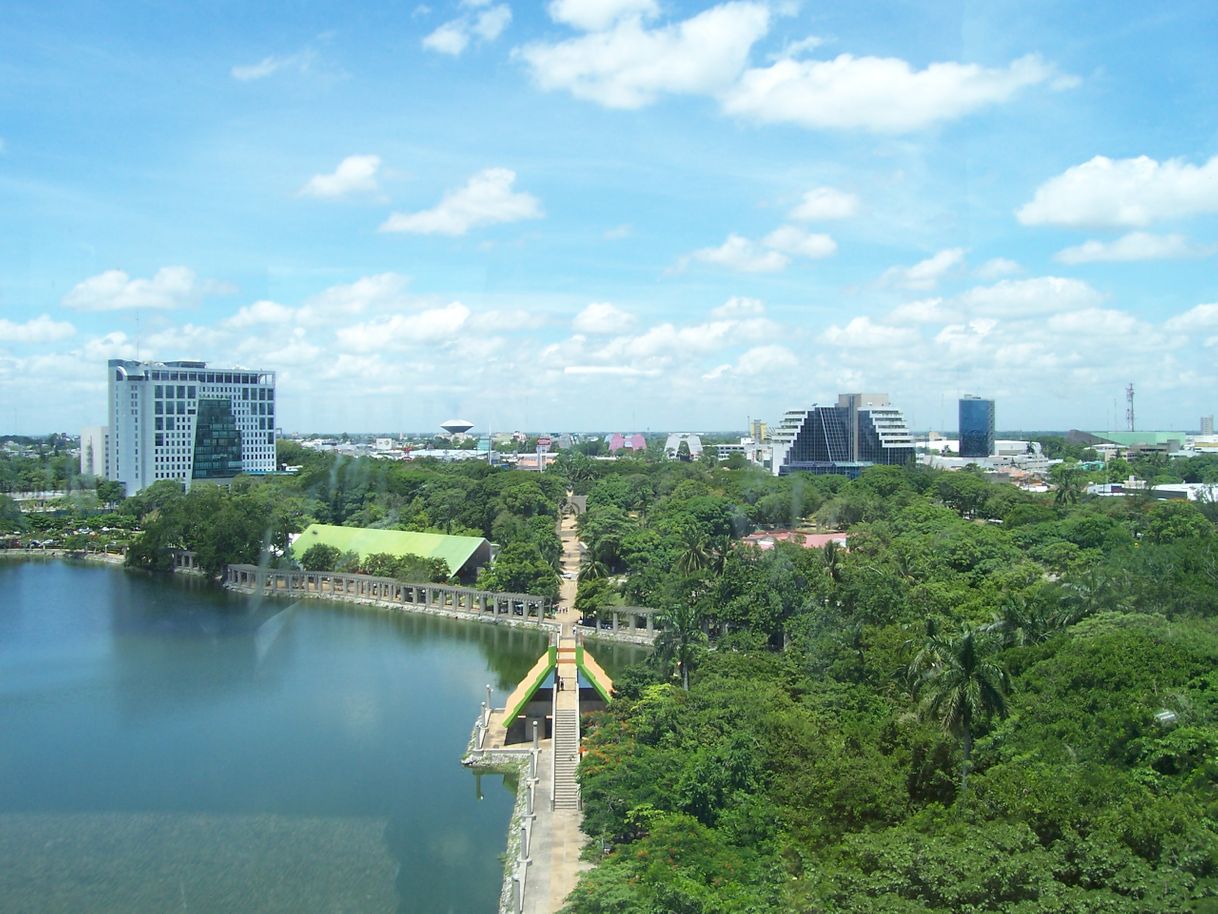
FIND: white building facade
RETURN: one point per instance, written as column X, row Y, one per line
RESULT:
column 188, row 421
column 95, row 451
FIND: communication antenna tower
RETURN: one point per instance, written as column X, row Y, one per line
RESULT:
column 1129, row 406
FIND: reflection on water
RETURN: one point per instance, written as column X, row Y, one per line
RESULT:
column 169, row 746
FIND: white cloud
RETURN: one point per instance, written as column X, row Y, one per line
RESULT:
column 260, row 312
column 1124, row 193
column 771, row 254
column 1023, row 297
column 864, row 333
column 621, row 371
column 1094, row 321
column 618, row 232
column 490, row 24
column 739, row 307
column 925, row 274
column 630, row 66
column 759, row 360
column 874, row 93
column 368, row 294
column 450, row 38
column 1200, row 317
column 454, row 37
column 824, row 203
column 602, row 317
column 271, row 65
column 667, row 340
column 997, row 268
column 798, row 243
column 114, row 290
column 405, row 331
column 354, row 175
column 922, row 311
column 1134, row 246
column 596, row 15
column 795, row 48
column 486, row 199
column 738, row 253
column 511, row 320
column 40, row 329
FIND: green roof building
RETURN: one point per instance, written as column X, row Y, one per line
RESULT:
column 464, row 554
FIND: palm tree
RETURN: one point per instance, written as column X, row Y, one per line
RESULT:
column 1070, row 484
column 592, row 568
column 962, row 688
column 930, row 650
column 694, row 552
column 1020, row 621
column 680, row 636
column 832, row 557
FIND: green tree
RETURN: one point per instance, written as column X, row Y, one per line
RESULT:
column 681, row 637
column 320, row 557
column 962, row 688
column 1071, row 483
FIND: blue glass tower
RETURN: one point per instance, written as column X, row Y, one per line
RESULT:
column 976, row 427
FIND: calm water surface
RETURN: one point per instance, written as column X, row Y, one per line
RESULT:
column 165, row 746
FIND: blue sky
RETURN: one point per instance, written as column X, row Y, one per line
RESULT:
column 614, row 214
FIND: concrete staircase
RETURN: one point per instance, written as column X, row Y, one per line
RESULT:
column 566, row 758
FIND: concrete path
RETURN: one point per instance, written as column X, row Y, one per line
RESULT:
column 557, row 840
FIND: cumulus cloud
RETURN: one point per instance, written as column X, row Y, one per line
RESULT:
column 759, row 360
column 354, row 175
column 487, row 198
column 864, row 333
column 620, row 371
column 878, row 94
column 1134, row 246
column 997, row 268
column 823, row 203
column 404, row 331
column 40, row 329
column 114, row 290
column 455, row 36
column 1199, row 317
column 260, row 312
column 739, row 307
column 507, row 320
column 602, row 317
column 595, row 15
column 668, row 340
column 1024, row 297
column 925, row 274
column 630, row 65
column 1123, row 193
column 1094, row 321
column 922, row 311
column 798, row 243
column 740, row 254
column 450, row 38
column 769, row 255
column 368, row 294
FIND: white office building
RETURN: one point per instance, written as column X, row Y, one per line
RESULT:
column 95, row 451
column 188, row 421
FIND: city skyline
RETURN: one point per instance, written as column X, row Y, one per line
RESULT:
column 614, row 214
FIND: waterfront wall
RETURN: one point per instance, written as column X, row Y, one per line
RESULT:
column 434, row 599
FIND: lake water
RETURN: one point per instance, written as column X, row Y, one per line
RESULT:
column 166, row 746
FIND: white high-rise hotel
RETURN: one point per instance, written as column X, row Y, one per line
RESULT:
column 186, row 421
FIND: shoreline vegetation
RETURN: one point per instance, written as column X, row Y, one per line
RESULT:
column 988, row 700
